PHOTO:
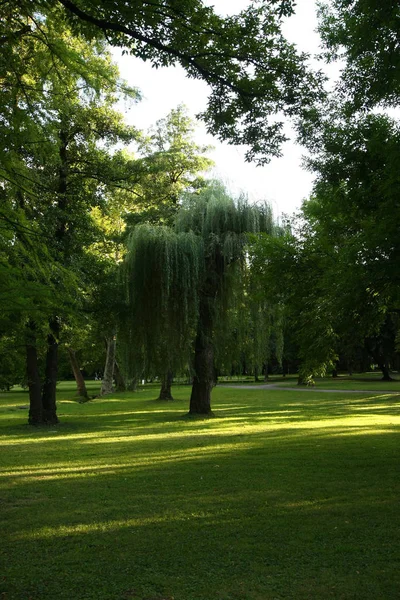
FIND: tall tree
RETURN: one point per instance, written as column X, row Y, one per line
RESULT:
column 167, row 164
column 57, row 158
column 183, row 278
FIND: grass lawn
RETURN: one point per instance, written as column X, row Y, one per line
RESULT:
column 282, row 495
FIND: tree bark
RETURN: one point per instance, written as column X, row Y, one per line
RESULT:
column 380, row 359
column 256, row 377
column 132, row 385
column 50, row 378
column 108, row 376
column 203, row 381
column 266, row 376
column 385, row 371
column 166, row 383
column 80, row 382
column 34, row 384
column 119, row 379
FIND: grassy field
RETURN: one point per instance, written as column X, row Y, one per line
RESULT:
column 282, row 495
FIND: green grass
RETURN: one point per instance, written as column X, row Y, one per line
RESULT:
column 282, row 495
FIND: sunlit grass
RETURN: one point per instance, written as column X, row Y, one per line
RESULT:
column 282, row 495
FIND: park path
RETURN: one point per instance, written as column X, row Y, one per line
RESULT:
column 271, row 386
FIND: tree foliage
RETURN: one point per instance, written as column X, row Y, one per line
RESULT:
column 366, row 35
column 179, row 282
column 255, row 76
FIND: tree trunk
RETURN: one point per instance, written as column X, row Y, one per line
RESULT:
column 380, row 359
column 266, row 377
column 132, row 384
column 256, row 378
column 50, row 378
column 166, row 383
column 34, row 385
column 119, row 379
column 385, row 371
column 203, row 381
column 107, row 383
column 204, row 371
column 80, row 382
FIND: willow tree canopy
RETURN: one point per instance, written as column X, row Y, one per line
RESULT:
column 178, row 282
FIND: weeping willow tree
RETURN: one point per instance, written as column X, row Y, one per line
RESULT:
column 251, row 335
column 224, row 226
column 161, row 274
column 179, row 282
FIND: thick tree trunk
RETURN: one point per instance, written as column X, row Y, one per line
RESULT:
column 385, row 372
column 80, row 382
column 166, row 383
column 50, row 378
column 380, row 359
column 34, row 384
column 119, row 379
column 203, row 381
column 204, row 372
column 108, row 376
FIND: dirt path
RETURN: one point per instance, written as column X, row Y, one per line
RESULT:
column 271, row 386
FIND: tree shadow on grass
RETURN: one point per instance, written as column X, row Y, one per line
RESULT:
column 292, row 515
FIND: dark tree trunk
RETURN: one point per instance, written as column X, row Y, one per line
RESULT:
column 204, row 371
column 350, row 368
column 256, row 378
column 203, row 381
column 380, row 359
column 266, row 372
column 334, row 373
column 166, row 383
column 34, row 384
column 119, row 379
column 80, row 382
column 50, row 378
column 132, row 385
column 385, row 372
column 108, row 376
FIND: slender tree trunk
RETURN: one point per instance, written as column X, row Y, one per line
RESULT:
column 107, row 383
column 166, row 383
column 80, row 382
column 350, row 368
column 132, row 384
column 266, row 377
column 119, row 379
column 256, row 378
column 50, row 378
column 34, row 384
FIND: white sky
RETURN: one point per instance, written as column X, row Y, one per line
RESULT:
column 282, row 182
